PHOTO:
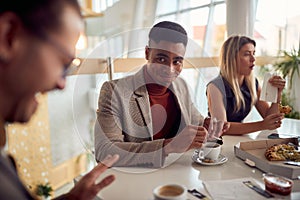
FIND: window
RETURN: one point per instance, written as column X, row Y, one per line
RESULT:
column 279, row 28
column 204, row 21
column 101, row 5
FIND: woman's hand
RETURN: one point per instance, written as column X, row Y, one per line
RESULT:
column 225, row 128
column 277, row 81
column 272, row 121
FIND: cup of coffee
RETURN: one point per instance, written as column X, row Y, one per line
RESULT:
column 210, row 150
column 170, row 192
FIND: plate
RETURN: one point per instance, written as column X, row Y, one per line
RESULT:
column 221, row 160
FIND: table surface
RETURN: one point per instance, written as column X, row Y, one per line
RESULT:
column 138, row 183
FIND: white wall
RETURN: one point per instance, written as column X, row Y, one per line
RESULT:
column 70, row 118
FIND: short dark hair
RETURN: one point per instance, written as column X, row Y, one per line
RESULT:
column 38, row 16
column 168, row 31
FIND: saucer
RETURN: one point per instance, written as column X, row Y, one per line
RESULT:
column 221, row 160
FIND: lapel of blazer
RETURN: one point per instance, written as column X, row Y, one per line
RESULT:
column 141, row 99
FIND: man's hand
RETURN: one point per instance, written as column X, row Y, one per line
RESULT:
column 87, row 188
column 225, row 128
column 191, row 137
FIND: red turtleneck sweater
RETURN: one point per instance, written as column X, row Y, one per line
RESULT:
column 166, row 115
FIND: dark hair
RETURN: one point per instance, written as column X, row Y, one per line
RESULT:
column 168, row 31
column 38, row 16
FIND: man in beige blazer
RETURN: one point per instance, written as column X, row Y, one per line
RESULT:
column 148, row 115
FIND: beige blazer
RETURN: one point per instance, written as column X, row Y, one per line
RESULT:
column 124, row 122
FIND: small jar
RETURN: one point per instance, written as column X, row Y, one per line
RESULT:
column 277, row 184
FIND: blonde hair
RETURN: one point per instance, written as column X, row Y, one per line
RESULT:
column 228, row 69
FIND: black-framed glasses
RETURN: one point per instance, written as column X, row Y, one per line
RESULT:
column 73, row 65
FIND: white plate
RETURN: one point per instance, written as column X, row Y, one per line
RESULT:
column 221, row 159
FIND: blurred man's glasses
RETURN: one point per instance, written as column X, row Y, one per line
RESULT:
column 71, row 67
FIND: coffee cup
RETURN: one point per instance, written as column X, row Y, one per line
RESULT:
column 210, row 150
column 170, row 192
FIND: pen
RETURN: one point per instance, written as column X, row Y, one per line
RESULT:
column 258, row 189
column 198, row 194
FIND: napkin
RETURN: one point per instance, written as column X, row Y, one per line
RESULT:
column 232, row 189
column 269, row 92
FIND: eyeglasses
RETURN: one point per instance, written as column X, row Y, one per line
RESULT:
column 72, row 66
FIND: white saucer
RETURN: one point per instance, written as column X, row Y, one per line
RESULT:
column 221, row 159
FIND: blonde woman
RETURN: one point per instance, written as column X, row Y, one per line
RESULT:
column 234, row 92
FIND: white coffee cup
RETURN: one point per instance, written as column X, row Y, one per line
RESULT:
column 170, row 192
column 210, row 150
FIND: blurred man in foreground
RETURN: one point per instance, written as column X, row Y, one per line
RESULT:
column 37, row 45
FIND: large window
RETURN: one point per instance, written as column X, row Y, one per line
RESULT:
column 102, row 5
column 277, row 27
column 204, row 21
column 277, row 23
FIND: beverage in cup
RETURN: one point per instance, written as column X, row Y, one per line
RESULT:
column 210, row 150
column 170, row 192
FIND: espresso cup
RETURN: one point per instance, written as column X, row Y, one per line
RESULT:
column 170, row 192
column 210, row 150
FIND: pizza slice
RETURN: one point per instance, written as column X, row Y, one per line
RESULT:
column 282, row 152
column 284, row 109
